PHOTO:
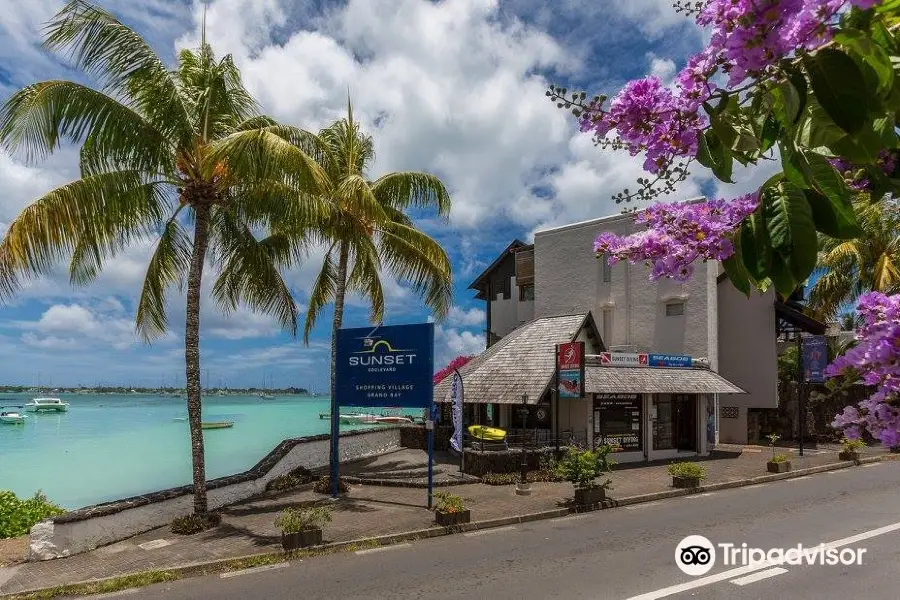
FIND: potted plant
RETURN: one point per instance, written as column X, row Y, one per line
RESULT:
column 450, row 510
column 780, row 463
column 302, row 527
column 850, row 449
column 582, row 468
column 687, row 474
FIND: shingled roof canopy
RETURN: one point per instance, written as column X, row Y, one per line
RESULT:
column 523, row 362
column 655, row 380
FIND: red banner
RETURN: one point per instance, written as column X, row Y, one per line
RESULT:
column 570, row 356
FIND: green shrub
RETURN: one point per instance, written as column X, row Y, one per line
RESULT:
column 323, row 486
column 582, row 467
column 17, row 516
column 289, row 481
column 191, row 524
column 687, row 469
column 781, row 458
column 500, row 478
column 848, row 445
column 449, row 503
column 295, row 520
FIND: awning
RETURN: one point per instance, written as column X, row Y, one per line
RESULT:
column 653, row 380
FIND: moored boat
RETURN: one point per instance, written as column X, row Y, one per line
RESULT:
column 483, row 432
column 11, row 415
column 47, row 405
column 393, row 420
column 216, row 424
column 358, row 419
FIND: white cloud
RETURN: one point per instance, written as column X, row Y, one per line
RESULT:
column 466, row 318
column 664, row 68
column 70, row 326
column 451, row 342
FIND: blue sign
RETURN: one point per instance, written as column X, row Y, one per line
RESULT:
column 670, row 360
column 815, row 358
column 570, row 384
column 385, row 366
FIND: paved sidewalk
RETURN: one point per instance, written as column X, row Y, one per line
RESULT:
column 368, row 511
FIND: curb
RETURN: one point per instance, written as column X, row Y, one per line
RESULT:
column 230, row 564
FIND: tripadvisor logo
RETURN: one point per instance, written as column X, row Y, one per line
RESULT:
column 380, row 352
column 695, row 555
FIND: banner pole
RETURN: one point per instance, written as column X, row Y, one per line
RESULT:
column 430, row 427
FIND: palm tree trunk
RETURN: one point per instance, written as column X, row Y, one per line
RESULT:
column 340, row 290
column 192, row 355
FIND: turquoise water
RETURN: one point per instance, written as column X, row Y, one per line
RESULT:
column 110, row 447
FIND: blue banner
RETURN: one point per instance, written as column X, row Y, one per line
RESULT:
column 670, row 360
column 815, row 358
column 385, row 366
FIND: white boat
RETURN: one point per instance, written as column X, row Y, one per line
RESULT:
column 11, row 415
column 358, row 418
column 47, row 405
column 393, row 420
column 267, row 397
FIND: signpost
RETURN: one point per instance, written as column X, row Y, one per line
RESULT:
column 383, row 367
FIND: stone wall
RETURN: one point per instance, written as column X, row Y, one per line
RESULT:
column 93, row 526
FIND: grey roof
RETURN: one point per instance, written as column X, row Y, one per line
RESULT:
column 655, row 380
column 522, row 362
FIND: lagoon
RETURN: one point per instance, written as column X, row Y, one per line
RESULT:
column 110, row 447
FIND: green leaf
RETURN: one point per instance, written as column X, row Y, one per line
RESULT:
column 831, row 218
column 755, row 246
column 711, row 153
column 872, row 55
column 770, row 133
column 794, row 165
column 791, row 227
column 780, row 274
column 865, row 146
column 786, row 103
column 827, row 181
column 734, row 267
column 839, row 87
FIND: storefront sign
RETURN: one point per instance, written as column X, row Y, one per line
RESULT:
column 570, row 369
column 670, row 360
column 618, row 421
column 815, row 358
column 385, row 366
column 623, row 359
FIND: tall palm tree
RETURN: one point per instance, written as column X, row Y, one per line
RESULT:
column 161, row 151
column 368, row 231
column 870, row 262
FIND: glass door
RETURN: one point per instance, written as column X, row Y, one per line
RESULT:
column 685, row 422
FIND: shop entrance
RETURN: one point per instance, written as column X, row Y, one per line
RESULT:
column 675, row 422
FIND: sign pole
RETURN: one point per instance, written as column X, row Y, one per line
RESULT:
column 556, row 400
column 430, row 427
column 335, row 434
column 800, row 407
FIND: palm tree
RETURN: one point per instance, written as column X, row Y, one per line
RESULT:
column 367, row 231
column 870, row 262
column 161, row 151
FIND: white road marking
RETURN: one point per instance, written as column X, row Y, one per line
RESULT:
column 755, row 485
column 642, row 505
column 154, row 544
column 569, row 518
column 871, row 465
column 798, row 478
column 125, row 592
column 740, row 571
column 381, row 549
column 252, row 570
column 759, row 576
column 704, row 495
column 487, row 531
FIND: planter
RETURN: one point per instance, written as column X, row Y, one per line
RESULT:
column 778, row 467
column 589, row 496
column 449, row 519
column 685, row 482
column 301, row 539
column 849, row 455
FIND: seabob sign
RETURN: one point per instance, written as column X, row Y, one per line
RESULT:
column 386, row 366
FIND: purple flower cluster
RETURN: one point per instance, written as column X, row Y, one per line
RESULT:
column 748, row 38
column 855, row 175
column 876, row 359
column 679, row 234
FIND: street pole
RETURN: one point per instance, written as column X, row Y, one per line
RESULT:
column 522, row 488
column 801, row 409
column 429, row 426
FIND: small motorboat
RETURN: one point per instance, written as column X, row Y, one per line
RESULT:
column 266, row 397
column 216, row 424
column 38, row 405
column 393, row 420
column 483, row 432
column 11, row 415
column 358, row 419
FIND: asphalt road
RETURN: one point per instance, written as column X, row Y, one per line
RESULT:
column 621, row 553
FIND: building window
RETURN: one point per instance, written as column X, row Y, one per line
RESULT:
column 607, row 270
column 526, row 293
column 618, row 420
column 675, row 309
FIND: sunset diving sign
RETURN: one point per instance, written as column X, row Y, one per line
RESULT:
column 385, row 366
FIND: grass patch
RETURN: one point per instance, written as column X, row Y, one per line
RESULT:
column 102, row 587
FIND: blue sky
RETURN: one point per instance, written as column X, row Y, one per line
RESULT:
column 453, row 87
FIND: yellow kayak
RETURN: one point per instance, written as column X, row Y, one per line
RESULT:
column 483, row 432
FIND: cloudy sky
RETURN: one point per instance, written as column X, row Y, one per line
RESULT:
column 454, row 87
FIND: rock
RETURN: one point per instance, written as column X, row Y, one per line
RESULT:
column 42, row 545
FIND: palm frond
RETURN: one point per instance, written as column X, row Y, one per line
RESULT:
column 405, row 189
column 322, row 293
column 354, row 198
column 38, row 117
column 125, row 65
column 104, row 211
column 250, row 272
column 169, row 265
column 365, row 276
column 413, row 256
